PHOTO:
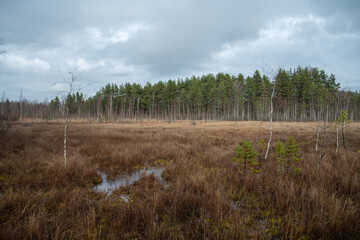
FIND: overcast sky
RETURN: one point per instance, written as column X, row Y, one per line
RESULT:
column 140, row 41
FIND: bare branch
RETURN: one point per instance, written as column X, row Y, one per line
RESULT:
column 71, row 80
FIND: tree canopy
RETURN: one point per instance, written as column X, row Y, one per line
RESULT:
column 301, row 94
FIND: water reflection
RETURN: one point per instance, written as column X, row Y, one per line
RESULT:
column 108, row 186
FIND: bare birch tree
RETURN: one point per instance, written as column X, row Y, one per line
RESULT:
column 73, row 85
column 272, row 74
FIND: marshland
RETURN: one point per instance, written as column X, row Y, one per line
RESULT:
column 187, row 185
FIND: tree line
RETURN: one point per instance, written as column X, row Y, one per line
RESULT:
column 301, row 94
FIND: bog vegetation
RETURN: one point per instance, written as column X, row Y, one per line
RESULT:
column 208, row 195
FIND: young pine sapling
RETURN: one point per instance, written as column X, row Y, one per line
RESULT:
column 287, row 156
column 246, row 157
column 280, row 156
column 261, row 144
column 343, row 120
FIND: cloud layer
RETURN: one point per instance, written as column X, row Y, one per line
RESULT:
column 139, row 41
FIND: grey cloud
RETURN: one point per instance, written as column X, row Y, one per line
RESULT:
column 187, row 35
column 181, row 38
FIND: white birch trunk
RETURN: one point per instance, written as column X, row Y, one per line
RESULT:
column 65, row 135
column 317, row 139
column 344, row 128
column 337, row 139
column 271, row 114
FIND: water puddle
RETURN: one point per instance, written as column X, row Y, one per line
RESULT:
column 108, row 186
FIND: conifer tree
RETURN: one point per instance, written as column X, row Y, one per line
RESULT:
column 246, row 157
column 343, row 119
column 287, row 156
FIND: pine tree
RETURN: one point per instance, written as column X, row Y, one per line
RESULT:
column 292, row 154
column 287, row 156
column 246, row 157
column 343, row 119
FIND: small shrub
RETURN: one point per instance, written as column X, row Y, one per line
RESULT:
column 343, row 119
column 279, row 155
column 261, row 144
column 246, row 157
column 287, row 156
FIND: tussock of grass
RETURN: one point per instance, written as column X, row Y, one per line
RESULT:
column 207, row 197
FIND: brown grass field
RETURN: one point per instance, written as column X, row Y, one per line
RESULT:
column 208, row 197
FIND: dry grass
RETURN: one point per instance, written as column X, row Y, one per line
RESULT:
column 40, row 199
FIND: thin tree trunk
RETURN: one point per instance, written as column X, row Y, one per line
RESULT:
column 21, row 107
column 111, row 107
column 317, row 139
column 271, row 114
column 98, row 110
column 343, row 133
column 337, row 139
column 65, row 135
column 124, row 109
column 138, row 109
column 152, row 107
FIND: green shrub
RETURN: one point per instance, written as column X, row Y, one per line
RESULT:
column 246, row 157
column 287, row 156
column 261, row 144
column 343, row 120
column 279, row 155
